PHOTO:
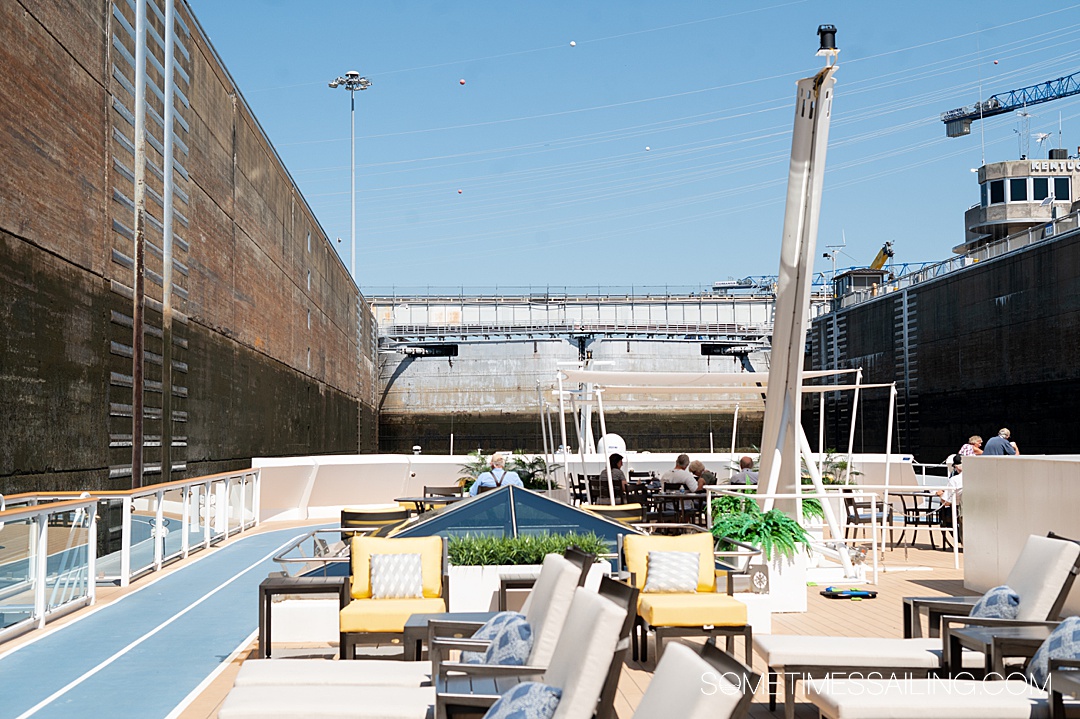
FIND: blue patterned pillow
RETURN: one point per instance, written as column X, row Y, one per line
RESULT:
column 998, row 603
column 513, row 643
column 1063, row 643
column 488, row 631
column 528, row 700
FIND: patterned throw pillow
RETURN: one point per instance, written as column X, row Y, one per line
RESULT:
column 396, row 576
column 672, row 572
column 998, row 603
column 528, row 700
column 512, row 644
column 488, row 631
column 1063, row 643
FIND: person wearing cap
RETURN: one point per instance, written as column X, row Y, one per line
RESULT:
column 1000, row 445
column 495, row 477
column 617, row 476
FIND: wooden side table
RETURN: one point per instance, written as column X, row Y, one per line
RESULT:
column 517, row 580
column 279, row 585
column 996, row 643
column 938, row 607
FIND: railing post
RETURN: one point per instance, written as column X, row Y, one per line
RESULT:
column 226, row 510
column 125, row 543
column 159, row 530
column 256, row 497
column 207, row 515
column 185, row 519
column 41, row 566
column 91, row 553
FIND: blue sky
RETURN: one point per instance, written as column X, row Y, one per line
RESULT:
column 653, row 152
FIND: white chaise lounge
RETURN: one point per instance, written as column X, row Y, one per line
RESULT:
column 545, row 610
column 1042, row 576
column 579, row 666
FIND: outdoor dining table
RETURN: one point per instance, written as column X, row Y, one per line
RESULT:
column 423, row 503
column 680, row 500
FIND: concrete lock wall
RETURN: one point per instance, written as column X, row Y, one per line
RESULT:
column 251, row 325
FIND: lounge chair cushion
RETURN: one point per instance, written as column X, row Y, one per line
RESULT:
column 1040, row 572
column 263, row 672
column 512, row 643
column 583, row 655
column 548, row 604
column 636, row 548
column 528, row 700
column 926, row 699
column 385, row 615
column 314, row 702
column 1063, row 643
column 670, row 695
column 672, row 572
column 396, row 576
column 800, row 650
column 691, row 610
column 487, row 632
column 429, row 548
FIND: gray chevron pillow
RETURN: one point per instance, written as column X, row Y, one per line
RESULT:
column 396, row 576
column 672, row 572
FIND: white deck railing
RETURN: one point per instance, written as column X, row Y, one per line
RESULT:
column 54, row 543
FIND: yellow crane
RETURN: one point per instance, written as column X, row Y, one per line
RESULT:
column 883, row 256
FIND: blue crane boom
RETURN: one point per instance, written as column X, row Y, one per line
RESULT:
column 958, row 121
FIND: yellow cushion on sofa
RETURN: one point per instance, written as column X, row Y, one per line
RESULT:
column 636, row 547
column 691, row 610
column 429, row 549
column 385, row 615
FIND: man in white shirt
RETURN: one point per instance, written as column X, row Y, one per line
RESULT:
column 681, row 474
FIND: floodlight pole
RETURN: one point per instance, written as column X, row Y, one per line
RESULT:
column 352, row 81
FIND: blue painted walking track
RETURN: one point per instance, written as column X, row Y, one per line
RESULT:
column 142, row 655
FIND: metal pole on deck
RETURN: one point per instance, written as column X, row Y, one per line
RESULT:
column 888, row 457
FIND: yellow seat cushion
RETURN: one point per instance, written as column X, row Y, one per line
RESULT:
column 429, row 549
column 636, row 548
column 385, row 615
column 691, row 610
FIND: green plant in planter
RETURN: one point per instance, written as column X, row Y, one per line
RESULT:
column 525, row 549
column 775, row 532
column 533, row 472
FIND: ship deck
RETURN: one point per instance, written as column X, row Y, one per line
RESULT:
column 196, row 622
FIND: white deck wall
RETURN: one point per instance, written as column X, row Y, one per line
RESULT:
column 1008, row 498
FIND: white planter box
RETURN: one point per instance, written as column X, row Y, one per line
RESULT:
column 758, row 611
column 787, row 583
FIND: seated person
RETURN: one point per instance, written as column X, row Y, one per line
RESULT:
column 617, row 476
column 496, row 477
column 746, row 473
column 950, row 497
column 704, row 476
column 680, row 474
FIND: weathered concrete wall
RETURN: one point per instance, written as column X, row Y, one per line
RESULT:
column 259, row 345
column 991, row 345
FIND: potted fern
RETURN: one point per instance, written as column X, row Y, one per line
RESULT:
column 784, row 544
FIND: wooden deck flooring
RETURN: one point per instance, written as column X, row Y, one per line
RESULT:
column 921, row 572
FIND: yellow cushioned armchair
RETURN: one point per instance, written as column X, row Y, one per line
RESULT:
column 703, row 612
column 375, row 619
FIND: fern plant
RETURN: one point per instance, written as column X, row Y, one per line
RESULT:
column 774, row 532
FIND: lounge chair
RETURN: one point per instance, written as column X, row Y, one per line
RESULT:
column 1041, row 577
column 936, row 698
column 688, row 685
column 378, row 619
column 586, row 664
column 579, row 666
column 703, row 612
column 547, row 607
